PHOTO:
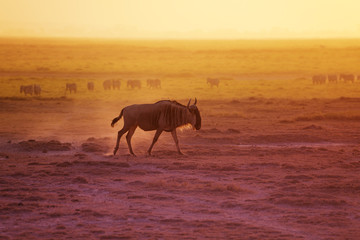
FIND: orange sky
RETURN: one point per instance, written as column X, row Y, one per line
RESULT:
column 180, row 18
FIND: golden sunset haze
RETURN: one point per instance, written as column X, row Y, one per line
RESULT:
column 222, row 19
column 277, row 89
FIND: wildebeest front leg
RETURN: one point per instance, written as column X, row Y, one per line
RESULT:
column 120, row 133
column 174, row 135
column 156, row 137
column 128, row 138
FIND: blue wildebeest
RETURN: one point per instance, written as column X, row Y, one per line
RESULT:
column 71, row 87
column 37, row 90
column 133, row 84
column 332, row 78
column 319, row 79
column 347, row 77
column 27, row 89
column 90, row 86
column 107, row 84
column 161, row 116
column 153, row 83
column 116, row 84
column 213, row 82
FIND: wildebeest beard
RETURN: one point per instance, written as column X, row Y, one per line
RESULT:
column 198, row 119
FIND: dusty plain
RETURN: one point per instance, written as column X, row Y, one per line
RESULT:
column 276, row 158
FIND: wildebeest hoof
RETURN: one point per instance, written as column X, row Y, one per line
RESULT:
column 115, row 150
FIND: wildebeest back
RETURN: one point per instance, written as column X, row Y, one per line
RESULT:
column 150, row 116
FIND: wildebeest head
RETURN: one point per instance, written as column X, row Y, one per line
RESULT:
column 195, row 112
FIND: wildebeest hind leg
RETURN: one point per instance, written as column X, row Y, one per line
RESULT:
column 128, row 138
column 174, row 135
column 156, row 137
column 120, row 133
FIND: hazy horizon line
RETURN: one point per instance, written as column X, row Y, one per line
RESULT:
column 175, row 39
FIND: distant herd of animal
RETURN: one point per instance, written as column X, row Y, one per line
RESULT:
column 334, row 78
column 115, row 84
column 35, row 89
column 31, row 89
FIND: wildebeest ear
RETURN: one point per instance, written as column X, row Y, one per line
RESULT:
column 188, row 103
column 195, row 101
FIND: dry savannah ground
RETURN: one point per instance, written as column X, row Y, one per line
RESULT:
column 277, row 157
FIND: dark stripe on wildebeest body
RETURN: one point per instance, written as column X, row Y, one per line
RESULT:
column 161, row 116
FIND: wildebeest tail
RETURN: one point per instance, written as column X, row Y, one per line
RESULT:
column 115, row 120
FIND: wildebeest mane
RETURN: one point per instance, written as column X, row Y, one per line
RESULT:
column 173, row 113
column 171, row 101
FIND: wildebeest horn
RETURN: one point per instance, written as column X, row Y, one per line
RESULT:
column 189, row 103
column 195, row 101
